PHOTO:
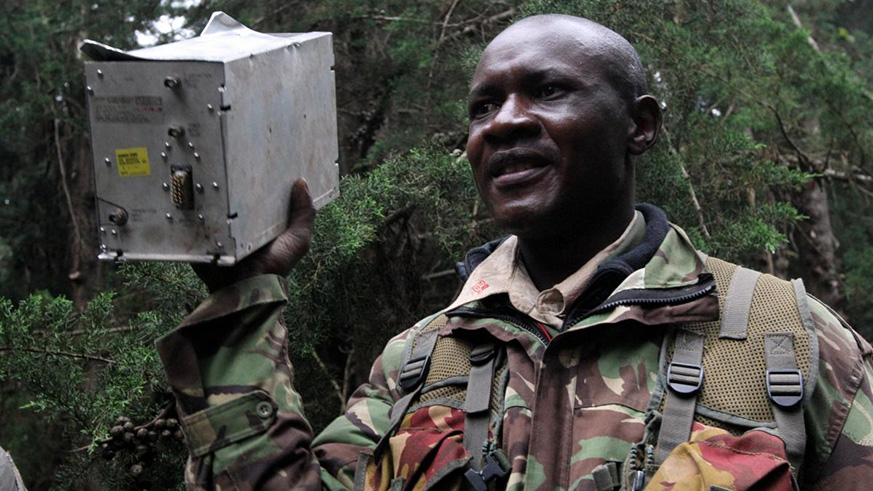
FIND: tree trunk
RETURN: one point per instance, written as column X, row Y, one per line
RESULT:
column 817, row 246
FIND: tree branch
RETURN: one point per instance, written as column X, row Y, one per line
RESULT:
column 68, row 354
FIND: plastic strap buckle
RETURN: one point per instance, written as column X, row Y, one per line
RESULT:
column 684, row 378
column 482, row 353
column 493, row 470
column 413, row 372
column 785, row 387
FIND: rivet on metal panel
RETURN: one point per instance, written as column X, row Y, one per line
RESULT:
column 167, row 145
column 90, row 90
column 209, row 107
column 107, row 161
column 100, row 73
column 200, row 217
column 196, row 155
column 169, row 216
column 164, row 155
column 191, row 145
column 218, row 244
column 103, row 247
column 214, row 185
column 102, row 230
column 296, row 45
column 114, row 232
column 165, row 186
column 172, row 82
column 198, row 187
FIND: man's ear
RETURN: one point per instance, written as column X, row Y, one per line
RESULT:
column 643, row 133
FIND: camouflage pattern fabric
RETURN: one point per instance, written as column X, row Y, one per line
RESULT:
column 568, row 406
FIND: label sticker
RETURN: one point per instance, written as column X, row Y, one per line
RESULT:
column 136, row 110
column 132, row 162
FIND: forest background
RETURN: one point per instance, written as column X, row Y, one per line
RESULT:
column 765, row 158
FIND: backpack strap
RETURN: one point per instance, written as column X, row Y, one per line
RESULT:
column 684, row 380
column 477, row 402
column 738, row 304
column 412, row 375
column 785, row 389
column 485, row 465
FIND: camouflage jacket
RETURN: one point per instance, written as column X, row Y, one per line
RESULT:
column 568, row 405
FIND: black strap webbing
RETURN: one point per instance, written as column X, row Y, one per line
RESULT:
column 477, row 403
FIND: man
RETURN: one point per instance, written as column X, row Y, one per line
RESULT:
column 561, row 327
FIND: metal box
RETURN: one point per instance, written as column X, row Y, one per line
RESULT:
column 196, row 143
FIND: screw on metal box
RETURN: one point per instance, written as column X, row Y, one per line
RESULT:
column 214, row 185
column 191, row 145
column 175, row 131
column 199, row 187
column 102, row 230
column 165, row 186
column 172, row 82
column 200, row 217
column 169, row 216
column 167, row 145
column 209, row 107
column 114, row 232
column 164, row 155
column 90, row 90
column 119, row 216
column 107, row 161
column 196, row 155
column 100, row 73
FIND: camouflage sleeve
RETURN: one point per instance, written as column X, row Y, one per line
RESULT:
column 839, row 415
column 228, row 367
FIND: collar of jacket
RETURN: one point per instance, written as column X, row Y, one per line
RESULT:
column 663, row 280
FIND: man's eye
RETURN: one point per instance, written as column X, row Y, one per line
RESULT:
column 547, row 91
column 482, row 109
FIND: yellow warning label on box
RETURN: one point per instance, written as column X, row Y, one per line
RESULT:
column 132, row 162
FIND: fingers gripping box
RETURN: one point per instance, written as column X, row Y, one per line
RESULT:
column 197, row 143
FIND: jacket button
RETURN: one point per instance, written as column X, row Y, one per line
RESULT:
column 264, row 409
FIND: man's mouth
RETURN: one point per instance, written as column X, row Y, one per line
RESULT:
column 515, row 166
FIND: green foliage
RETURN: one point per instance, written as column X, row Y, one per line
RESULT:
column 79, row 371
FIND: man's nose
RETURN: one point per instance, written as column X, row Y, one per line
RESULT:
column 513, row 120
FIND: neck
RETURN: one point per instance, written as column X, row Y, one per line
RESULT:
column 551, row 259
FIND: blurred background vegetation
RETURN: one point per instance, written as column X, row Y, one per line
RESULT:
column 765, row 158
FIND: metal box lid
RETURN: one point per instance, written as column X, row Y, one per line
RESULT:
column 222, row 40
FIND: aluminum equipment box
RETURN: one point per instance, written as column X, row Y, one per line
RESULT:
column 196, row 143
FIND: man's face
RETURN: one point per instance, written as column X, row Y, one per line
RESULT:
column 548, row 130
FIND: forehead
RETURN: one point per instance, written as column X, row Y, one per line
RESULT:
column 559, row 47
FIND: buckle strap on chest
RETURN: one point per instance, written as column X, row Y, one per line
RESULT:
column 684, row 380
column 477, row 404
column 785, row 389
column 419, row 359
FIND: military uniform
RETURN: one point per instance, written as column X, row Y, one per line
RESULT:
column 565, row 399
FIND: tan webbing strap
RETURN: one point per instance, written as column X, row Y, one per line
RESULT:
column 785, row 388
column 738, row 303
column 477, row 403
column 684, row 380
